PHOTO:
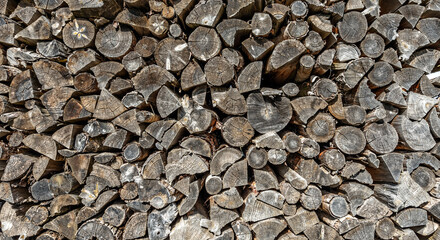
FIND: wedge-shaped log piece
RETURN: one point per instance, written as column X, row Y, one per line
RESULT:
column 153, row 167
column 61, row 203
column 190, row 201
column 82, row 60
column 206, row 14
column 414, row 160
column 95, row 228
column 192, row 76
column 365, row 230
column 81, row 166
column 7, row 33
column 229, row 199
column 269, row 229
column 394, row 96
column 108, row 174
column 190, row 228
column 64, row 225
column 302, row 220
column 150, row 79
column 23, row 87
column 38, row 31
column 105, row 71
column 411, row 132
column 188, row 164
column 250, row 77
column 419, row 105
column 407, row 193
column 236, row 175
column 407, row 77
column 15, row 224
column 390, row 167
column 411, row 13
column 364, row 97
column 42, row 144
column 128, row 121
column 17, row 166
column 256, row 210
column 241, row 9
column 294, row 178
column 387, row 25
column 412, row 217
column 307, row 107
column 108, row 106
column 55, row 99
column 322, row 230
column 282, row 61
column 12, row 195
column 224, row 158
column 167, row 102
column 430, row 27
column 272, row 197
column 257, row 48
column 425, row 59
column 197, row 145
column 355, row 71
column 408, row 41
column 373, row 209
column 51, row 74
column 95, row 8
column 134, row 18
column 232, row 31
column 74, row 111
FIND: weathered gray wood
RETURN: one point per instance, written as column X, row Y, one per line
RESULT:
column 275, row 117
column 204, row 43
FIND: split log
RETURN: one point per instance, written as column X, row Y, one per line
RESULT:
column 39, row 30
column 232, row 31
column 205, row 14
column 282, row 61
column 257, row 49
column 237, row 9
column 411, row 131
column 134, row 18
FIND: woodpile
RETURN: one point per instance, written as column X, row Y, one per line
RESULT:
column 211, row 119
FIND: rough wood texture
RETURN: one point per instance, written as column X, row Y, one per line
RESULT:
column 238, row 119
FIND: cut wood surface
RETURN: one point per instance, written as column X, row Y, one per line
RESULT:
column 222, row 120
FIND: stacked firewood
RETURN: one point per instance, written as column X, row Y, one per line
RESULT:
column 211, row 119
